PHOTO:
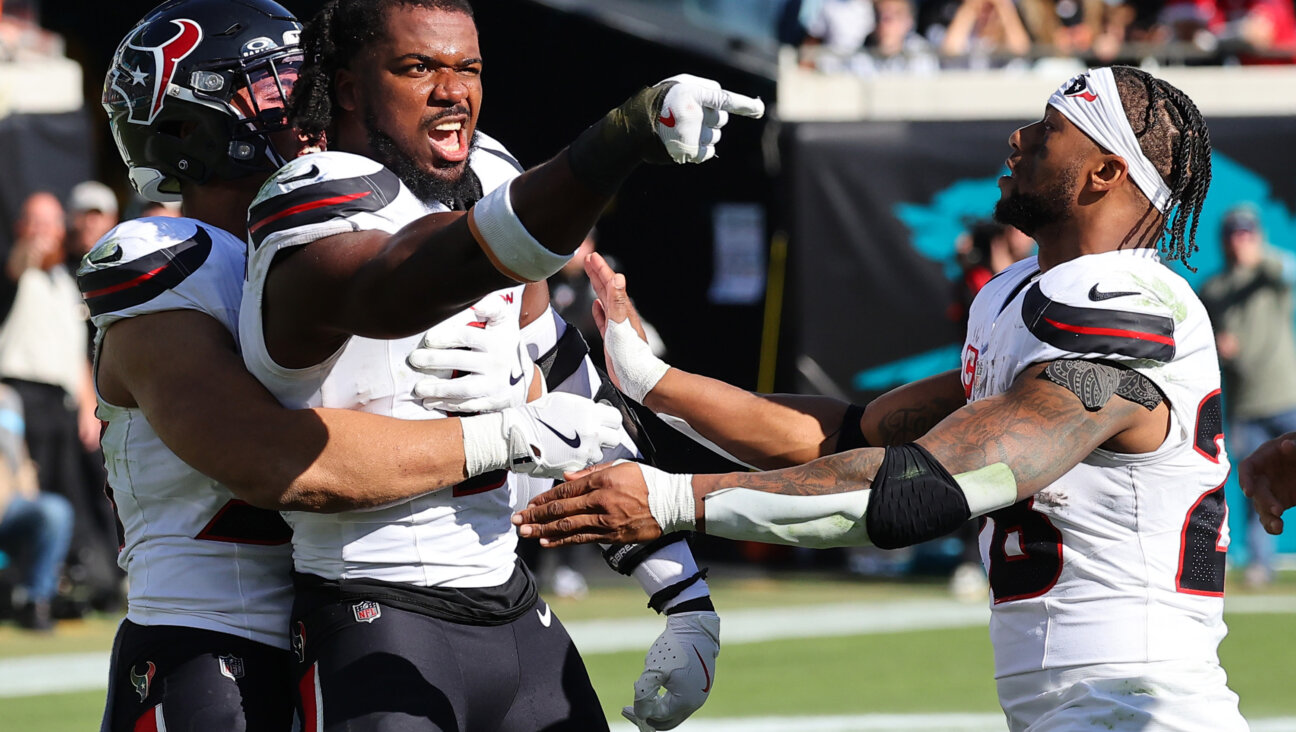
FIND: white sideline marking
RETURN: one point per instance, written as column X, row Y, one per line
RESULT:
column 891, row 723
column 68, row 672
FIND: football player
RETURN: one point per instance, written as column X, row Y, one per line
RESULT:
column 412, row 217
column 198, row 453
column 1090, row 439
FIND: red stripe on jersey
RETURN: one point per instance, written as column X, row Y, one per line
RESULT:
column 1136, row 335
column 125, row 285
column 308, row 689
column 307, row 207
column 151, row 721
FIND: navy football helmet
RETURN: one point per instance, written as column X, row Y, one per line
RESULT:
column 196, row 89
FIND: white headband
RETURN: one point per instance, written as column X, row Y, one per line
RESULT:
column 1092, row 103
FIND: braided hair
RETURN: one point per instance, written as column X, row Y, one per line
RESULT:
column 1173, row 136
column 331, row 41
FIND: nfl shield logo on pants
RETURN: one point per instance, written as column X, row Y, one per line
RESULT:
column 231, row 667
column 366, row 612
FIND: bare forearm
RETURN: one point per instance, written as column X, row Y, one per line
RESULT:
column 768, row 431
column 339, row 460
column 908, row 412
column 840, row 473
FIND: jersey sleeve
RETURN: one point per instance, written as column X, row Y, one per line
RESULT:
column 321, row 195
column 1130, row 315
column 493, row 163
column 154, row 264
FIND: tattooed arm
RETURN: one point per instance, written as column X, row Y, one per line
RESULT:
column 1037, row 430
column 907, row 412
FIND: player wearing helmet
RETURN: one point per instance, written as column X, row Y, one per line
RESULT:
column 199, row 455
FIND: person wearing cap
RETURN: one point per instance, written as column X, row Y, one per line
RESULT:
column 92, row 212
column 1250, row 305
column 1083, row 425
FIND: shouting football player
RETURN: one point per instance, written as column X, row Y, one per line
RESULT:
column 417, row 615
column 196, row 449
column 1090, row 438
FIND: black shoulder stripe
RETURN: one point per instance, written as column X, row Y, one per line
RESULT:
column 136, row 282
column 505, row 157
column 323, row 201
column 1090, row 330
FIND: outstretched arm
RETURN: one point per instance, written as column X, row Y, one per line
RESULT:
column 985, row 456
column 379, row 286
column 765, row 430
column 181, row 368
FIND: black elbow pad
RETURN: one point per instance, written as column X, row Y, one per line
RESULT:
column 913, row 499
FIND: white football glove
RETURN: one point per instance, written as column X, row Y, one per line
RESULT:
column 679, row 672
column 471, row 367
column 692, row 113
column 555, row 434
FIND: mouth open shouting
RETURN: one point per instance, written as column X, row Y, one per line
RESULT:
column 449, row 138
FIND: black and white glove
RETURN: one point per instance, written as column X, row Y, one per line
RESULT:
column 474, row 366
column 681, row 662
column 555, row 434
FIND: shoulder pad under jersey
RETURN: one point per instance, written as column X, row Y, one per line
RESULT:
column 318, row 193
column 153, row 264
column 1113, row 306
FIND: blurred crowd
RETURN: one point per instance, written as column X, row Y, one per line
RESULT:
column 917, row 36
column 58, row 532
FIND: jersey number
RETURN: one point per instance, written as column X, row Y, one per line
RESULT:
column 239, row 522
column 1025, row 553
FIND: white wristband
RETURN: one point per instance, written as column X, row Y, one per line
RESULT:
column 666, row 566
column 484, row 446
column 637, row 368
column 670, row 499
column 511, row 246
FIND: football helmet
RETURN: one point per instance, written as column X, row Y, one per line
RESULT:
column 196, row 89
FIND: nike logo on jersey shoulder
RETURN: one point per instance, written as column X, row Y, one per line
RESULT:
column 1097, row 296
column 313, row 172
column 570, row 441
column 546, row 616
column 513, row 380
column 668, row 119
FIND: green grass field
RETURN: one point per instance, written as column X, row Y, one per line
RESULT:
column 931, row 671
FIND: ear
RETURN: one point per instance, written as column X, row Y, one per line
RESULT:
column 1112, row 170
column 346, row 89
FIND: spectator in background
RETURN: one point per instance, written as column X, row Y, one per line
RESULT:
column 35, row 527
column 1253, row 31
column 43, row 339
column 835, row 32
column 1250, row 305
column 895, row 45
column 92, row 212
column 984, row 34
column 1090, row 28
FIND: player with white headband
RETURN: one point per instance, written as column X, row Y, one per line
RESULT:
column 1084, row 425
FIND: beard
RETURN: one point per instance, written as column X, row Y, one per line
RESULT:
column 1030, row 212
column 457, row 189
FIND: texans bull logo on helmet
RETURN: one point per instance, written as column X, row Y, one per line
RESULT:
column 1079, row 87
column 142, row 73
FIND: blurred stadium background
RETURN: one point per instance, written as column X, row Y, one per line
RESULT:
column 818, row 256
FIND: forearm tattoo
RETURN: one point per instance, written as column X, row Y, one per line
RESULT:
column 906, row 425
column 1095, row 382
column 839, row 473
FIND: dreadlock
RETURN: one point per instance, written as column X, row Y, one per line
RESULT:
column 1173, row 136
column 331, row 41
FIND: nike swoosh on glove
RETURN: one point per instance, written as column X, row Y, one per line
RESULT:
column 682, row 662
column 474, row 366
column 559, row 433
column 692, row 112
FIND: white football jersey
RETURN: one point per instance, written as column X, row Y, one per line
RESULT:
column 196, row 555
column 1122, row 558
column 458, row 537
